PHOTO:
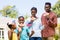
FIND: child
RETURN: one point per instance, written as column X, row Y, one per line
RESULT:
column 11, row 34
column 24, row 34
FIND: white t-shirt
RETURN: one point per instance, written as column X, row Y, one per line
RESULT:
column 36, row 27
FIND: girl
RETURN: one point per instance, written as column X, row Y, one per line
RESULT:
column 11, row 34
column 23, row 30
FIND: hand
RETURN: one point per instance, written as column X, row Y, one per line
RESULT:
column 32, row 19
column 50, row 23
column 47, row 15
column 32, row 32
column 19, row 29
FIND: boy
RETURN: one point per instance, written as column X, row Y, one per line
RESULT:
column 11, row 34
column 49, row 20
column 35, row 25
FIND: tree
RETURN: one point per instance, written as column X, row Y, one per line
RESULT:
column 56, row 8
column 9, row 11
column 26, row 16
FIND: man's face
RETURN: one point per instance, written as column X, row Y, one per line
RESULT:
column 47, row 8
column 21, row 20
column 33, row 12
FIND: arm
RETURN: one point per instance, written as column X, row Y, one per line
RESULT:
column 18, row 35
column 28, row 32
column 19, row 31
column 43, row 20
column 10, row 35
column 54, row 21
column 31, row 33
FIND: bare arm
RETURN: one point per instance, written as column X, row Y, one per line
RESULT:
column 31, row 33
column 54, row 22
column 19, row 31
column 19, row 36
column 10, row 35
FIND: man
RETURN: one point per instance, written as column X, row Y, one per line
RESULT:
column 35, row 25
column 49, row 20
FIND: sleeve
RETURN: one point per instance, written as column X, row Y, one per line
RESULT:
column 16, row 30
column 28, row 30
column 43, row 20
column 55, row 21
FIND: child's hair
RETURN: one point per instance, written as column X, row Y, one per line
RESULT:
column 34, row 8
column 9, row 25
column 20, row 17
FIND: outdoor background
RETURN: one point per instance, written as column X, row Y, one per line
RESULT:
column 12, row 9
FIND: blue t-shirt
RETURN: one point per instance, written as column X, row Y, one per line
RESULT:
column 24, row 34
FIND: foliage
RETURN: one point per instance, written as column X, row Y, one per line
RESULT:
column 56, row 8
column 26, row 16
column 9, row 11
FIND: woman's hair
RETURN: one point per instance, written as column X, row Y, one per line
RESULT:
column 34, row 8
column 20, row 17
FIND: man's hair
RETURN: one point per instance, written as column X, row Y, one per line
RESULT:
column 34, row 8
column 20, row 17
column 48, row 3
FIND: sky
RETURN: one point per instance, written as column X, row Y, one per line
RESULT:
column 23, row 6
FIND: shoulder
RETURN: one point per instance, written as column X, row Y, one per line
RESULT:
column 54, row 14
column 43, row 14
column 16, row 30
column 9, row 31
column 26, row 27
